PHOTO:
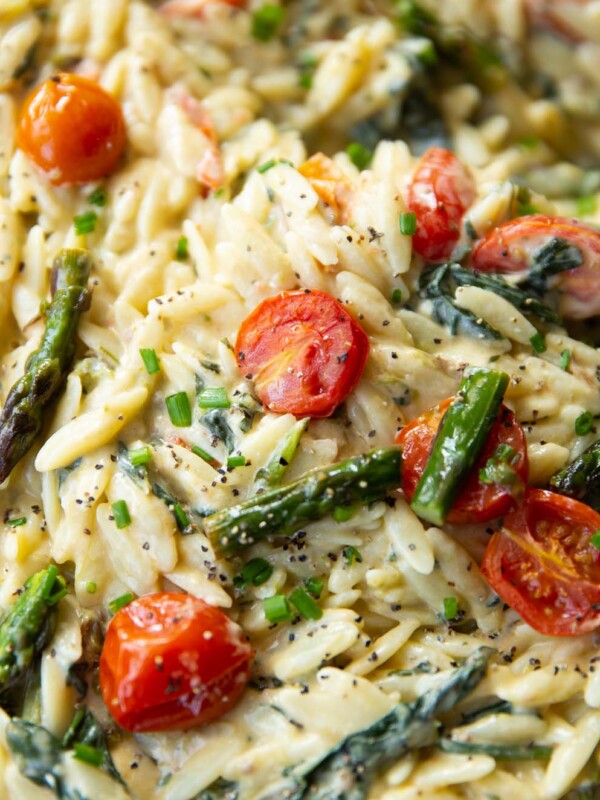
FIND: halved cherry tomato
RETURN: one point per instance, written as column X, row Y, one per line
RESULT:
column 439, row 193
column 542, row 563
column 303, row 351
column 477, row 501
column 171, row 661
column 512, row 248
column 72, row 128
column 194, row 8
column 329, row 182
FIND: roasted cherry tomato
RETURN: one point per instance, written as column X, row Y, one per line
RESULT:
column 171, row 661
column 518, row 245
column 478, row 501
column 439, row 193
column 72, row 128
column 303, row 351
column 543, row 564
column 329, row 182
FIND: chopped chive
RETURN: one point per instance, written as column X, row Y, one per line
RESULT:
column 396, row 297
column 314, row 586
column 150, row 360
column 359, row 155
column 277, row 609
column 213, row 397
column 85, row 223
column 343, row 513
column 529, row 142
column 266, row 166
column 351, row 555
column 98, row 197
column 91, row 587
column 565, row 360
column 181, row 517
column 120, row 602
column 266, row 20
column 595, row 540
column 180, row 411
column 583, row 423
column 586, row 205
column 16, row 522
column 198, row 451
column 236, row 461
column 88, row 754
column 408, row 223
column 139, row 457
column 450, row 608
column 121, row 513
column 538, row 343
column 305, row 604
column 257, row 571
column 181, row 249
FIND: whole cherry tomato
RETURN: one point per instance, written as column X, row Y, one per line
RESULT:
column 439, row 193
column 543, row 564
column 527, row 243
column 72, row 129
column 303, row 351
column 171, row 661
column 477, row 501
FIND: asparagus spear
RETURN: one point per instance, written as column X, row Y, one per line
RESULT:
column 39, row 754
column 460, row 439
column 273, row 471
column 284, row 510
column 501, row 752
column 21, row 420
column 581, row 479
column 347, row 772
column 27, row 626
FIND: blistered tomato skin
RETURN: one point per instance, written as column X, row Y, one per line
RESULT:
column 542, row 563
column 512, row 248
column 304, row 352
column 72, row 129
column 170, row 662
column 439, row 193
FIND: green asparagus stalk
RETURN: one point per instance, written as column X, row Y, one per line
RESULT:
column 581, row 479
column 39, row 755
column 347, row 772
column 274, row 470
column 460, row 439
column 46, row 368
column 501, row 752
column 285, row 510
column 27, row 626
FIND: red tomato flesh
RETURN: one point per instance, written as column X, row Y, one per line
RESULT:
column 542, row 563
column 439, row 193
column 477, row 501
column 72, row 129
column 511, row 247
column 303, row 351
column 171, row 661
